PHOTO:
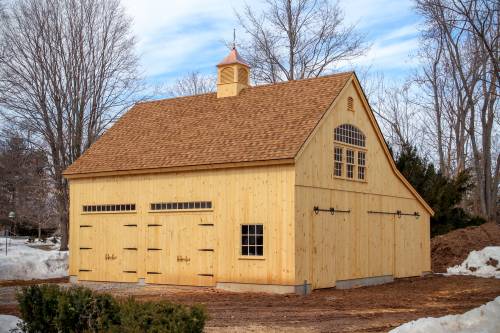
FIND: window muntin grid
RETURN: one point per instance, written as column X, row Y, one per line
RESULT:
column 108, row 208
column 338, row 161
column 349, row 156
column 252, row 239
column 361, row 165
column 350, row 163
column 169, row 206
column 350, row 134
column 361, row 158
column 361, row 172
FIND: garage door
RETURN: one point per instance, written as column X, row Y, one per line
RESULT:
column 180, row 249
column 108, row 248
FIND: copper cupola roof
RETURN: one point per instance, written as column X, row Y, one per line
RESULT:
column 233, row 58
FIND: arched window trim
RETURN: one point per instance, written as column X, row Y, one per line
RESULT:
column 350, row 134
column 349, row 153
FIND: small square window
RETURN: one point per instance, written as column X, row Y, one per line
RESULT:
column 197, row 205
column 163, row 206
column 252, row 239
column 169, row 205
column 191, row 205
column 209, row 204
column 99, row 208
column 203, row 204
column 132, row 207
column 174, row 205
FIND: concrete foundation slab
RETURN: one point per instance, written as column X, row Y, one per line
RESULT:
column 73, row 279
column 141, row 282
column 302, row 289
column 370, row 281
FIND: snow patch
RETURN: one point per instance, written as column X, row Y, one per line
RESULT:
column 27, row 261
column 484, row 263
column 483, row 319
column 8, row 323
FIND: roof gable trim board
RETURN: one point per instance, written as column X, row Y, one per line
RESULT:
column 182, row 168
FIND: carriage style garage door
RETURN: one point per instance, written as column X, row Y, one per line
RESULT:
column 178, row 248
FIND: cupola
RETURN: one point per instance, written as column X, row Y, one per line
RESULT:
column 232, row 75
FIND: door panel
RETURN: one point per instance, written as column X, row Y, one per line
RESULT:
column 408, row 247
column 182, row 250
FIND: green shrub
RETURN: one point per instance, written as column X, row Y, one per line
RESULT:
column 50, row 308
column 80, row 310
column 38, row 306
column 163, row 316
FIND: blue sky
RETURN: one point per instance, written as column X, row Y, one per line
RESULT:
column 175, row 36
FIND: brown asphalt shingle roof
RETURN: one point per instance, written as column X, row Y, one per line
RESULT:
column 268, row 122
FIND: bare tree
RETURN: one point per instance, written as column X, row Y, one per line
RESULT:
column 193, row 83
column 469, row 35
column 394, row 106
column 68, row 70
column 24, row 184
column 296, row 39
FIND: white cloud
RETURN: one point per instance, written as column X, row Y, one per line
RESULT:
column 176, row 36
column 173, row 34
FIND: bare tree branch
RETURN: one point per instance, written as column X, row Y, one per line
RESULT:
column 296, row 39
column 68, row 70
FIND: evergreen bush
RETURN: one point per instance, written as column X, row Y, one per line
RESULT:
column 50, row 308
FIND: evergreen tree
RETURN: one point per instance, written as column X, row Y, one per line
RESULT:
column 443, row 194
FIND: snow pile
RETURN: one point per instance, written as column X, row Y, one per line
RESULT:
column 8, row 323
column 483, row 263
column 25, row 261
column 483, row 319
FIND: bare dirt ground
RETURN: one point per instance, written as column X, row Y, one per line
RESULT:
column 453, row 248
column 369, row 309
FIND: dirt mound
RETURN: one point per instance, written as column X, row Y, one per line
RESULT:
column 453, row 248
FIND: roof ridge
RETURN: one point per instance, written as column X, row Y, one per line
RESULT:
column 250, row 87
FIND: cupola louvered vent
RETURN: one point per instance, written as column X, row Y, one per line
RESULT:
column 243, row 76
column 227, row 75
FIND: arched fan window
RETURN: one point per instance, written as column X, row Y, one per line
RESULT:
column 349, row 161
column 350, row 134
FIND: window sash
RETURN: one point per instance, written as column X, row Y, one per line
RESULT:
column 252, row 240
column 352, row 160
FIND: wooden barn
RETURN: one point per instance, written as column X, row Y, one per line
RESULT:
column 282, row 188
